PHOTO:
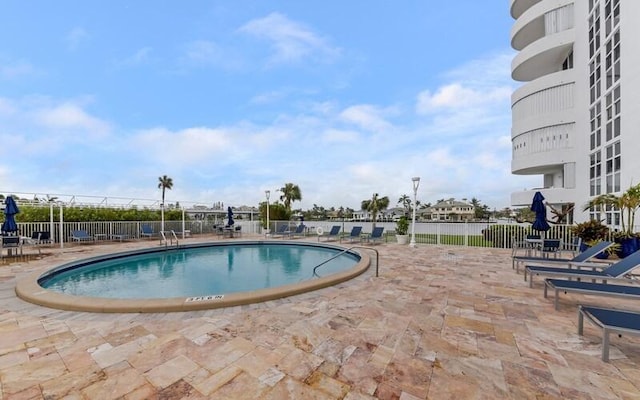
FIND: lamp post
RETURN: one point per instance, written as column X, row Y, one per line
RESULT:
column 267, row 193
column 416, row 183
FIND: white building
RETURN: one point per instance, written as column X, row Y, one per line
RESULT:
column 576, row 118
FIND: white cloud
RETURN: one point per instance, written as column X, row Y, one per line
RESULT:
column 455, row 96
column 11, row 69
column 141, row 56
column 207, row 53
column 71, row 116
column 339, row 136
column 6, row 107
column 76, row 37
column 291, row 41
column 367, row 117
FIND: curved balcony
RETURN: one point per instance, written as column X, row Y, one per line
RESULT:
column 542, row 57
column 530, row 26
column 518, row 7
column 554, row 157
column 551, row 196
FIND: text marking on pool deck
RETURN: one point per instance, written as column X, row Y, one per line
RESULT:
column 205, row 298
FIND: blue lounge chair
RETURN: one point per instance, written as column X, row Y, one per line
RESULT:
column 590, row 288
column 119, row 236
column 614, row 271
column 610, row 321
column 10, row 243
column 582, row 257
column 376, row 235
column 281, row 231
column 146, row 231
column 354, row 235
column 299, row 231
column 81, row 236
column 333, row 234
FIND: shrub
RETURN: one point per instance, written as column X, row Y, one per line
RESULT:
column 402, row 226
column 591, row 230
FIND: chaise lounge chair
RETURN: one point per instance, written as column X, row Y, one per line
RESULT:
column 611, row 321
column 299, row 231
column 354, row 235
column 81, row 236
column 281, row 231
column 334, row 234
column 9, row 243
column 146, row 231
column 582, row 257
column 376, row 235
column 590, row 288
column 614, row 271
column 119, row 236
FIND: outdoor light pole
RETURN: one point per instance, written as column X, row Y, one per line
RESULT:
column 416, row 183
column 267, row 193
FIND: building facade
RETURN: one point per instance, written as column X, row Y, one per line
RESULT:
column 576, row 116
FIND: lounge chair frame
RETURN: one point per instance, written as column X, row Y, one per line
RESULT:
column 581, row 257
column 354, row 236
column 589, row 288
column 598, row 271
column 82, row 235
column 610, row 321
column 376, row 235
column 146, row 231
column 334, row 234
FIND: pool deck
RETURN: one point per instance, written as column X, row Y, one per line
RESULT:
column 438, row 323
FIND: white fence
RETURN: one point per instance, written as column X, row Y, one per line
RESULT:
column 479, row 234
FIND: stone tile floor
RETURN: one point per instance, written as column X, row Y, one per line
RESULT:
column 438, row 323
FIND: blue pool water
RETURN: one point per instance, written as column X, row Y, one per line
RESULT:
column 200, row 270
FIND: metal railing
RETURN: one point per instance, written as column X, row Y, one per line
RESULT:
column 61, row 233
column 472, row 234
column 172, row 237
column 345, row 251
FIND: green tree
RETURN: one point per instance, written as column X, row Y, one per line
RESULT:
column 290, row 193
column 405, row 201
column 375, row 205
column 164, row 182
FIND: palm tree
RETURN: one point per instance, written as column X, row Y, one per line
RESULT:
column 406, row 203
column 164, row 183
column 375, row 205
column 290, row 193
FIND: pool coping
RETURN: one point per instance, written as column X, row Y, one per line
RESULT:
column 29, row 290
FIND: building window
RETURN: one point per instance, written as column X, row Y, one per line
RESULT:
column 596, row 123
column 568, row 62
column 612, row 60
column 595, row 78
column 595, row 172
column 612, row 167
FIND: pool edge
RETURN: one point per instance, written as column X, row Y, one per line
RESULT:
column 28, row 289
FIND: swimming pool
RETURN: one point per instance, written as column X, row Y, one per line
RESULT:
column 191, row 277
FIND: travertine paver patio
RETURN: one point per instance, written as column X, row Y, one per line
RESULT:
column 439, row 323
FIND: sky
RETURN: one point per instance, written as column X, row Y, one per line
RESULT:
column 232, row 98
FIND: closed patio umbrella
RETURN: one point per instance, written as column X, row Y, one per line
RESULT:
column 11, row 209
column 230, row 216
column 538, row 207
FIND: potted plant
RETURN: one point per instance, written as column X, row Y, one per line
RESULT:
column 402, row 227
column 591, row 232
column 628, row 203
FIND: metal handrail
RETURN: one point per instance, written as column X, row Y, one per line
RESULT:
column 346, row 250
column 164, row 238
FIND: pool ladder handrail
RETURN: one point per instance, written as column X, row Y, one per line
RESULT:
column 164, row 238
column 346, row 250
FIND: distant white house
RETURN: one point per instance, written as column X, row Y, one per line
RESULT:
column 452, row 210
